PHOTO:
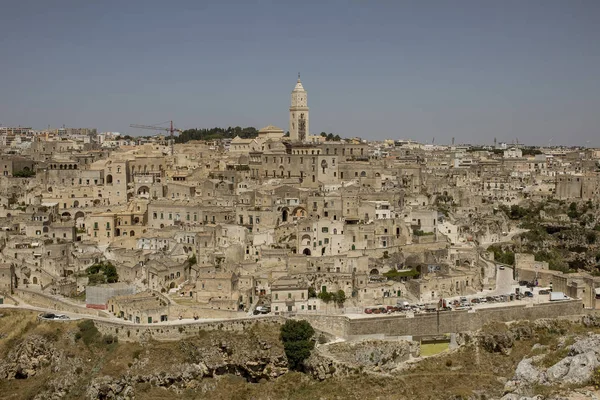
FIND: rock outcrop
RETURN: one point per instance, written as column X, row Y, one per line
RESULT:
column 368, row 356
column 577, row 367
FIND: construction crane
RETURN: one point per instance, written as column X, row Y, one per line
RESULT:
column 156, row 127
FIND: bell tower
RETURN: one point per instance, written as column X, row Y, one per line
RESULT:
column 299, row 113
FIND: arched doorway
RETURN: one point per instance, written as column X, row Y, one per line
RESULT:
column 306, row 252
column 284, row 214
column 132, row 233
column 109, row 179
column 374, row 271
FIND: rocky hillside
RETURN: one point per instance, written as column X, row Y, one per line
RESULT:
column 71, row 360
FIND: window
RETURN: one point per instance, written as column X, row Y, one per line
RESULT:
column 108, row 225
column 154, row 215
column 325, row 229
column 276, row 296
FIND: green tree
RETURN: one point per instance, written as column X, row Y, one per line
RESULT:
column 102, row 272
column 325, row 296
column 340, row 297
column 25, row 173
column 111, row 273
column 297, row 342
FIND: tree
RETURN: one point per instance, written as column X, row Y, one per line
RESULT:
column 216, row 133
column 25, row 173
column 325, row 296
column 102, row 272
column 311, row 292
column 340, row 297
column 297, row 342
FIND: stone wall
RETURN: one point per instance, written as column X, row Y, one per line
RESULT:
column 342, row 326
column 439, row 323
column 333, row 324
column 176, row 331
column 46, row 301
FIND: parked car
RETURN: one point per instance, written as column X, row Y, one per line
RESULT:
column 262, row 310
column 475, row 301
column 523, row 283
column 501, row 266
column 482, row 300
column 544, row 291
column 491, row 299
column 528, row 294
column 368, row 311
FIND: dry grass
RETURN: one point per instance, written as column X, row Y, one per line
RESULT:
column 431, row 349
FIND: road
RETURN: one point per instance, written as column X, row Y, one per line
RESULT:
column 504, row 239
column 504, row 282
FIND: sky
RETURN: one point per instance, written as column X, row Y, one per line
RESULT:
column 422, row 70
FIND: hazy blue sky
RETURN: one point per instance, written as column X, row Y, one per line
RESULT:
column 473, row 70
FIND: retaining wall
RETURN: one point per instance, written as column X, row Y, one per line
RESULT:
column 439, row 323
column 349, row 328
column 138, row 332
column 47, row 301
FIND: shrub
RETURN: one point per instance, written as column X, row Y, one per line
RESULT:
column 595, row 380
column 110, row 339
column 87, row 332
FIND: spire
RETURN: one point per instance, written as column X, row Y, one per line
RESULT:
column 299, row 87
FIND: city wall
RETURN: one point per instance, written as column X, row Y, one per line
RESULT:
column 439, row 323
column 349, row 328
column 176, row 331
